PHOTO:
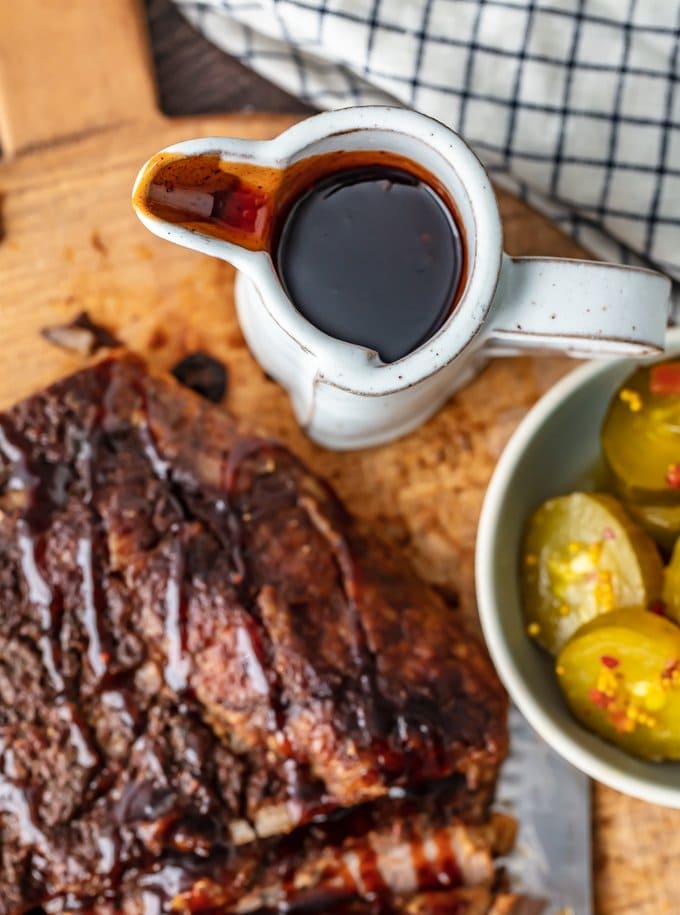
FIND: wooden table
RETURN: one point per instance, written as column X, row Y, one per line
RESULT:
column 78, row 115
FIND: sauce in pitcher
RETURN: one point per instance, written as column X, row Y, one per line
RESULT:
column 365, row 243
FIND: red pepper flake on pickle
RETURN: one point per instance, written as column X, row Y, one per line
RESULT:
column 670, row 675
column 664, row 379
column 598, row 698
column 673, row 476
column 621, row 721
column 610, row 694
column 657, row 607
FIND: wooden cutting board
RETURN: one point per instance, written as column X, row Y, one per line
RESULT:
column 77, row 118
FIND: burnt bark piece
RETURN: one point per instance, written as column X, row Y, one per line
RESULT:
column 81, row 335
column 197, row 646
column 203, row 374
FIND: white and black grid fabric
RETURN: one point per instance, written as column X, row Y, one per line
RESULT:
column 573, row 104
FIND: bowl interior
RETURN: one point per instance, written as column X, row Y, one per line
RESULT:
column 556, row 450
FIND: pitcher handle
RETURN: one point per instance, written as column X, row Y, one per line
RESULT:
column 582, row 308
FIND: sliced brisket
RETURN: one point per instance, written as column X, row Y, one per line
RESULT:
column 199, row 650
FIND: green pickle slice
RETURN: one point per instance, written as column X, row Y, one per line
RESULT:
column 662, row 522
column 671, row 589
column 620, row 675
column 584, row 556
column 641, row 435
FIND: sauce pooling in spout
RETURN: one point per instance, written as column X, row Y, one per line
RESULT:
column 366, row 243
column 233, row 201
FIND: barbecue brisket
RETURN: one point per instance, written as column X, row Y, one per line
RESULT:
column 201, row 652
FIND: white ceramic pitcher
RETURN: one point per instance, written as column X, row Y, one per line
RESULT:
column 343, row 394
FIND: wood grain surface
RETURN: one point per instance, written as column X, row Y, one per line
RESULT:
column 69, row 241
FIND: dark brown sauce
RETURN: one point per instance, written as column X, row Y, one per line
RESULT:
column 22, row 804
column 372, row 715
column 180, row 879
column 46, row 486
column 174, row 621
column 233, row 201
column 240, row 451
column 252, row 657
column 94, row 607
column 244, row 449
column 367, row 243
column 434, row 870
column 159, row 465
column 179, row 826
column 44, row 599
column 177, row 662
column 372, row 882
column 422, row 868
column 372, row 256
column 447, row 869
column 79, row 735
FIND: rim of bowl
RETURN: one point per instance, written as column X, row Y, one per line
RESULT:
column 587, row 761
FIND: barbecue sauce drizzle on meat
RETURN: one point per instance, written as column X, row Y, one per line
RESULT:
column 47, row 493
column 381, row 724
column 46, row 488
column 176, row 666
column 243, row 450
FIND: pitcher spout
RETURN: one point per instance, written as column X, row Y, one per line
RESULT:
column 211, row 201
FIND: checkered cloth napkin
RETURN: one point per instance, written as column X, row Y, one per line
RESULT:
column 572, row 104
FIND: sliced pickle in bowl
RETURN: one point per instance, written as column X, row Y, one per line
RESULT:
column 662, row 522
column 671, row 589
column 584, row 556
column 641, row 435
column 620, row 675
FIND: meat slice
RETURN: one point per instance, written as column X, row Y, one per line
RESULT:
column 383, row 849
column 458, row 901
column 199, row 648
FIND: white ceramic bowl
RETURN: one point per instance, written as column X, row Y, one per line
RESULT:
column 555, row 450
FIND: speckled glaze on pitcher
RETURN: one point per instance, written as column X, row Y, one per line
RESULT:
column 344, row 396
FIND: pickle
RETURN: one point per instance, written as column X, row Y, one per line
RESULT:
column 620, row 675
column 671, row 590
column 662, row 522
column 641, row 435
column 584, row 556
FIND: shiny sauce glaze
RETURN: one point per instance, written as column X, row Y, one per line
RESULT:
column 42, row 488
column 46, row 491
column 366, row 243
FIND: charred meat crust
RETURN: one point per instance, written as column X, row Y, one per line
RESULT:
column 198, row 648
